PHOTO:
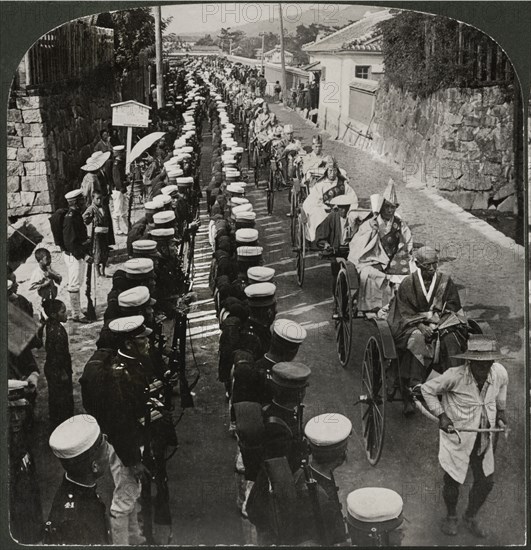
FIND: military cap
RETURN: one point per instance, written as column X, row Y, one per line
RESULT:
column 260, row 294
column 237, row 201
column 73, row 195
column 162, row 200
column 290, row 375
column 131, row 326
column 241, row 208
column 135, row 297
column 145, row 246
column 162, row 234
column 151, row 207
column 118, row 148
column 260, row 274
column 138, row 268
column 249, row 253
column 163, row 218
column 244, row 219
column 237, row 150
column 237, row 189
column 247, row 236
column 169, row 190
column 373, row 505
column 188, row 149
column 185, row 182
column 171, row 163
column 174, row 173
column 289, row 330
column 75, row 436
column 344, row 200
column 232, row 175
column 327, row 435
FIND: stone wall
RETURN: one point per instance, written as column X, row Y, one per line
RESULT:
column 50, row 136
column 459, row 141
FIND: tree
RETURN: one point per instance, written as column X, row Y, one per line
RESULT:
column 134, row 32
column 206, row 40
column 228, row 38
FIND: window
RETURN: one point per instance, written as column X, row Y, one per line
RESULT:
column 362, row 71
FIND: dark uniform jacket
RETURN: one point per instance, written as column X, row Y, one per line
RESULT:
column 77, row 516
column 123, row 403
column 139, row 230
column 75, row 234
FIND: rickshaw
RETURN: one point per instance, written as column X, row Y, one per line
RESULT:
column 380, row 370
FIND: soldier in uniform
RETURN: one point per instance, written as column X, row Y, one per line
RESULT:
column 327, row 436
column 256, row 333
column 78, row 516
column 119, row 214
column 76, row 250
column 140, row 229
column 122, row 403
column 282, row 437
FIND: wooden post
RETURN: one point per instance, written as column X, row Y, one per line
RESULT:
column 128, row 149
column 282, row 58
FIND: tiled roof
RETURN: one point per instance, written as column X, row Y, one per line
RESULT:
column 360, row 36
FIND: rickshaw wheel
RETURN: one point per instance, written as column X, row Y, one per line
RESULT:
column 301, row 250
column 373, row 386
column 293, row 221
column 270, row 193
column 343, row 304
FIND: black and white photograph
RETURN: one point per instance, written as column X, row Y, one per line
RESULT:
column 267, row 280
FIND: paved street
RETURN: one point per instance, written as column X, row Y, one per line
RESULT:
column 202, row 480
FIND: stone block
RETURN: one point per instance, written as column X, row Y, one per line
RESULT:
column 465, row 199
column 15, row 168
column 34, row 183
column 14, row 141
column 39, row 168
column 466, row 133
column 42, row 199
column 32, row 115
column 30, row 142
column 30, row 102
column 35, row 129
column 11, row 153
column 13, row 184
column 14, row 115
column 44, row 209
column 27, row 198
column 507, row 205
column 30, row 155
column 453, row 119
column 490, row 169
column 504, row 191
column 481, row 201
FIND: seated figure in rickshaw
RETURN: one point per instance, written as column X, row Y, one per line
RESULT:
column 427, row 321
column 334, row 234
column 381, row 236
column 331, row 184
column 289, row 153
column 313, row 160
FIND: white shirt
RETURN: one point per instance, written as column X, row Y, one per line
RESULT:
column 462, row 401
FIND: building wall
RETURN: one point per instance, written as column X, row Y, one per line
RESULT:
column 339, row 71
column 50, row 136
column 459, row 141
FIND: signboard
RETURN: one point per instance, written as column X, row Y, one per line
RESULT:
column 130, row 113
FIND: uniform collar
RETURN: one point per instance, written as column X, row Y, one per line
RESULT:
column 92, row 486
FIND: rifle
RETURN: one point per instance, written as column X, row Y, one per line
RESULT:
column 177, row 363
column 131, row 200
column 91, row 311
column 312, row 487
column 147, row 460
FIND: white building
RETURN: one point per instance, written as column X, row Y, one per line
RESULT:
column 274, row 56
column 350, row 62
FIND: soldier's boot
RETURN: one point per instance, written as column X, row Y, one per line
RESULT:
column 75, row 305
column 136, row 538
column 120, row 530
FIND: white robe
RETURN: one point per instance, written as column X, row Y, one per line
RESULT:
column 315, row 208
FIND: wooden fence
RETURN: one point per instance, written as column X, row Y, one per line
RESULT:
column 71, row 51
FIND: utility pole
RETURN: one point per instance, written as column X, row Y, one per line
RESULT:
column 282, row 59
column 158, row 53
column 263, row 47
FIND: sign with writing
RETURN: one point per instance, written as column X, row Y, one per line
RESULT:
column 130, row 113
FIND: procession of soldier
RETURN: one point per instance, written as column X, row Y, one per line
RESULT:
column 135, row 383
